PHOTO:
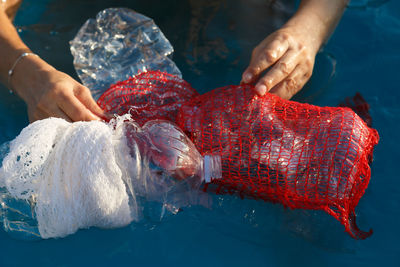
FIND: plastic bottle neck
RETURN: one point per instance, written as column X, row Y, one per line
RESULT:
column 212, row 168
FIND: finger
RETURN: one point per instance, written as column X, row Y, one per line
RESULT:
column 277, row 73
column 40, row 114
column 264, row 58
column 58, row 113
column 84, row 95
column 77, row 111
column 292, row 84
column 36, row 115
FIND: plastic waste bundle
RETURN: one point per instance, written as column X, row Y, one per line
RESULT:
column 59, row 177
column 299, row 155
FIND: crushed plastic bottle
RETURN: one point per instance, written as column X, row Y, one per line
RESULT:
column 117, row 44
column 166, row 164
column 107, row 175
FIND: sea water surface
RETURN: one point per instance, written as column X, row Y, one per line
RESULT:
column 213, row 40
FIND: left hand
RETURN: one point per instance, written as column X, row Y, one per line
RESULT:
column 289, row 56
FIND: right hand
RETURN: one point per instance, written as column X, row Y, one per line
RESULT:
column 288, row 54
column 51, row 93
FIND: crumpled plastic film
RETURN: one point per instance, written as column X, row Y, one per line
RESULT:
column 118, row 44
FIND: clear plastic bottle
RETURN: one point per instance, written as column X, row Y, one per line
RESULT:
column 167, row 166
column 159, row 169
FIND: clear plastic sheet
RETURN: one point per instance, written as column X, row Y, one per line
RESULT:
column 118, row 44
column 16, row 215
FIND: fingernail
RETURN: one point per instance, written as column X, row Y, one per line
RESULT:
column 247, row 77
column 261, row 89
column 108, row 116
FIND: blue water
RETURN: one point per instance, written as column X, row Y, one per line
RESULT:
column 362, row 56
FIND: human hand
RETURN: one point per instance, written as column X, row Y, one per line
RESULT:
column 288, row 55
column 51, row 93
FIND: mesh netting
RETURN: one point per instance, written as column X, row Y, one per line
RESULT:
column 299, row 155
column 147, row 96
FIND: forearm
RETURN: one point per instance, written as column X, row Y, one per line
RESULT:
column 318, row 18
column 11, row 48
column 46, row 91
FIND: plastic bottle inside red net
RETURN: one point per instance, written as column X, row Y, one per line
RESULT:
column 59, row 177
column 299, row 155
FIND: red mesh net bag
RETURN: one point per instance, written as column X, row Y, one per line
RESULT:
column 147, row 96
column 299, row 155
